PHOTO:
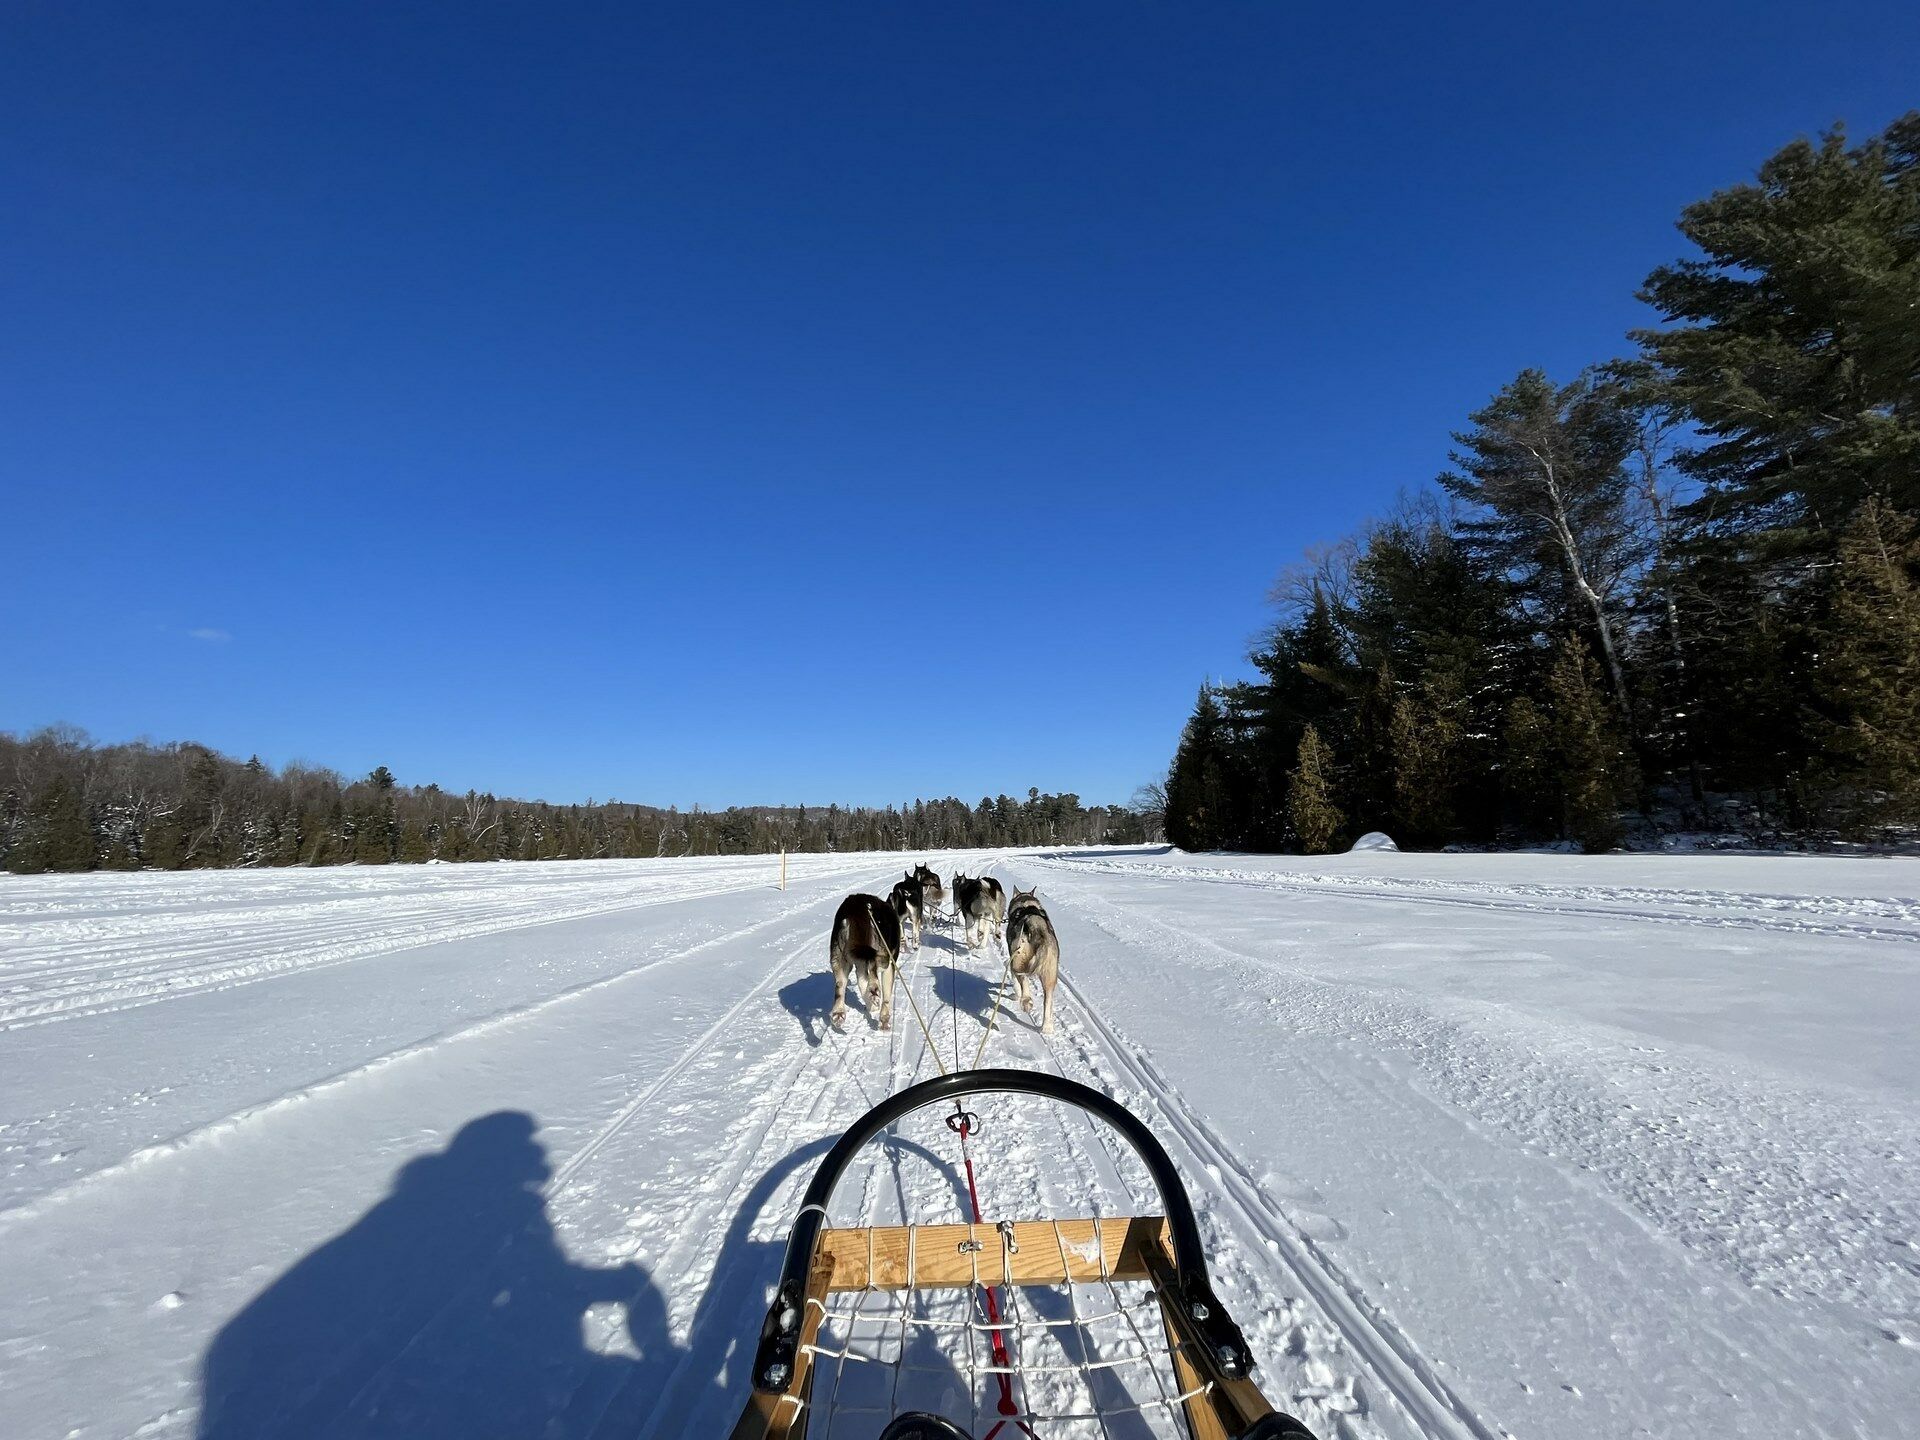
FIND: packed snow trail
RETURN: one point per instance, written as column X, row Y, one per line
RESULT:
column 1462, row 1171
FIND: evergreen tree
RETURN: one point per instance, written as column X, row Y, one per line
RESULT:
column 1595, row 772
column 1429, row 759
column 372, row 842
column 1310, row 804
column 415, row 848
column 1869, row 669
column 55, row 833
column 1545, row 468
column 1369, row 747
column 163, row 846
column 1749, row 673
column 1423, row 603
column 1306, row 674
column 1793, row 344
column 66, row 836
column 1199, row 790
column 201, row 816
column 1528, row 780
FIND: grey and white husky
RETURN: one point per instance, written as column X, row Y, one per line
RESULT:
column 932, row 893
column 1033, row 953
column 865, row 947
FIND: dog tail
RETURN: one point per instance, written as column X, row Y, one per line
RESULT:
column 1020, row 945
column 857, row 926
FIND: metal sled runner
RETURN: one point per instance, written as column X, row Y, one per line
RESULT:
column 1155, row 1350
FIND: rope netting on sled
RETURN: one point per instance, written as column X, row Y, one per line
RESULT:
column 1088, row 1359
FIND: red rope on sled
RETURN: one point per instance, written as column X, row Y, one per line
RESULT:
column 961, row 1123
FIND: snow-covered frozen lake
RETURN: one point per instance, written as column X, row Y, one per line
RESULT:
column 1540, row 1146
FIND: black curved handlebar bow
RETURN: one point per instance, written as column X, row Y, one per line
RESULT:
column 773, row 1366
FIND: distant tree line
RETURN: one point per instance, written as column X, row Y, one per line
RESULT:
column 1680, row 584
column 68, row 804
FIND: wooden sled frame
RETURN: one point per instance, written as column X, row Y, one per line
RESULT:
column 1210, row 1358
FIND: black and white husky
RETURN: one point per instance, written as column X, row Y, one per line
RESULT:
column 908, row 902
column 865, row 947
column 981, row 907
column 1033, row 953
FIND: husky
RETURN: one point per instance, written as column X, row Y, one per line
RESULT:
column 908, row 903
column 980, row 908
column 932, row 893
column 865, row 946
column 996, row 906
column 1033, row 953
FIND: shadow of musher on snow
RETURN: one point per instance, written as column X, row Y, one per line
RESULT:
column 448, row 1309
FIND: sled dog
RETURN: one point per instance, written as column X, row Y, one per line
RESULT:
column 932, row 893
column 907, row 902
column 980, row 908
column 1033, row 953
column 865, row 946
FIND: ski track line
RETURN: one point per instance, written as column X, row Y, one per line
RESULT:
column 1518, row 903
column 1427, row 1398
column 214, row 1129
column 158, row 984
column 673, row 1072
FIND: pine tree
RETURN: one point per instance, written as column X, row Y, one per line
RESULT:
column 1595, row 772
column 1306, row 674
column 1429, row 745
column 1199, row 793
column 415, row 849
column 1368, row 791
column 1793, row 344
column 1869, row 669
column 372, row 839
column 68, row 837
column 1529, row 785
column 55, row 833
column 1545, row 467
column 1310, row 805
column 162, row 845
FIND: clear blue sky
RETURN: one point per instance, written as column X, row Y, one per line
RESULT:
column 757, row 403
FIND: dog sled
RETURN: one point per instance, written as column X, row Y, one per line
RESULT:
column 1041, row 1327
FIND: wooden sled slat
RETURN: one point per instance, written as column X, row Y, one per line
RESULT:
column 1047, row 1252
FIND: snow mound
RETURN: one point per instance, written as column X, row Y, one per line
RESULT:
column 1372, row 840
